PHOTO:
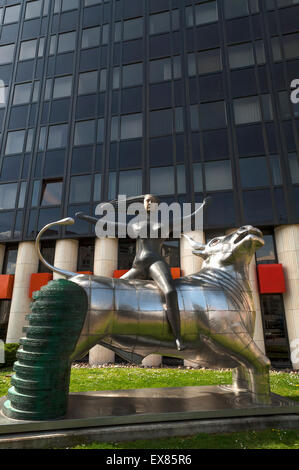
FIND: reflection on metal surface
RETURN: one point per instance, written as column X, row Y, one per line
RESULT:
column 150, row 233
column 93, row 409
column 217, row 314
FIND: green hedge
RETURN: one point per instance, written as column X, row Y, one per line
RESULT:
column 10, row 350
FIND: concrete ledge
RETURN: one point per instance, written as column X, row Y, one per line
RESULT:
column 70, row 438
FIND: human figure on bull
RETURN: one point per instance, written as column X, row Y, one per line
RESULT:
column 149, row 262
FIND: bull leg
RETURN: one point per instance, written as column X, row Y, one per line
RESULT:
column 254, row 364
column 257, row 371
column 241, row 378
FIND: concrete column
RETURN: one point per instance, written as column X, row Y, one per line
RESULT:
column 2, row 253
column 190, row 263
column 259, row 330
column 66, row 256
column 105, row 256
column 287, row 245
column 27, row 264
column 105, row 262
column 153, row 360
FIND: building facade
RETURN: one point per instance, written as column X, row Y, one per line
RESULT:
column 180, row 98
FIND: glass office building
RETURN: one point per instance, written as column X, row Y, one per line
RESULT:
column 178, row 98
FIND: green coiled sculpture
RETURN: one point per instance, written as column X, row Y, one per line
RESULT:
column 40, row 385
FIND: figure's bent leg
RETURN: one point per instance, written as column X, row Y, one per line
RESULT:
column 161, row 274
column 133, row 273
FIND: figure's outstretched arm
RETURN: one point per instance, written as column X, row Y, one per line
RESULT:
column 205, row 203
column 87, row 218
column 94, row 220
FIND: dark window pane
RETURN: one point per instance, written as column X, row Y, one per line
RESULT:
column 161, row 151
column 46, row 216
column 57, row 136
column 52, row 193
column 84, row 133
column 80, row 189
column 6, row 53
column 80, row 227
column 22, row 93
column 66, row 42
column 86, row 107
column 62, row 87
column 33, row 9
column 12, row 14
column 161, row 122
column 85, row 255
column 97, row 191
column 131, row 126
column 197, row 177
column 8, row 194
column 209, row 61
column 132, row 75
column 10, row 259
column 130, row 154
column 222, row 212
column 294, row 167
column 133, row 29
column 88, row 82
column 48, row 252
column 162, row 180
column 212, row 115
column 15, row 142
column 54, row 163
column 91, row 37
column 130, row 182
column 266, row 254
column 82, row 160
column 254, row 172
column 6, row 222
column 11, row 168
column 215, row 145
column 218, row 175
column 250, row 140
column 126, row 253
column 276, row 340
column 258, row 207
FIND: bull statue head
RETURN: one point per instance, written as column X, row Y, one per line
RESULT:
column 235, row 249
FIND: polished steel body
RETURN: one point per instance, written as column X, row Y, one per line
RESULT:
column 149, row 263
column 217, row 314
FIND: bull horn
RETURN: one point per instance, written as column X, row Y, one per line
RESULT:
column 195, row 245
column 63, row 272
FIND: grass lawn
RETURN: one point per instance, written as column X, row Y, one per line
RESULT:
column 113, row 378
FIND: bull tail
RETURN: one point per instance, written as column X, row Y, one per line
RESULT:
column 63, row 272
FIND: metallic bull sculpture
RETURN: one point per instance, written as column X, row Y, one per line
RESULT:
column 216, row 305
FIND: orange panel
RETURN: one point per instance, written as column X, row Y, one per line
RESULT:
column 6, row 286
column 119, row 272
column 39, row 280
column 175, row 272
column 85, row 272
column 271, row 279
